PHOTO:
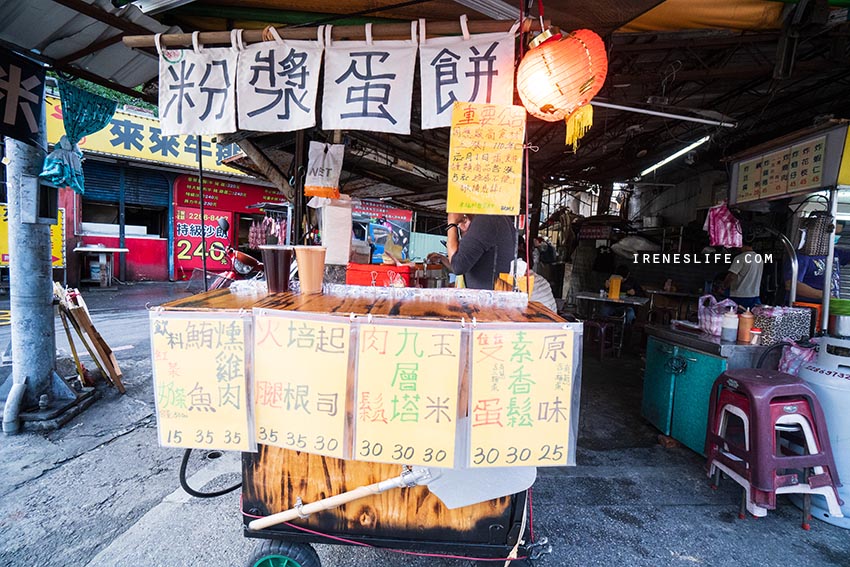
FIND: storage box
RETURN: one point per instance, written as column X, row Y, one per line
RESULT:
column 380, row 275
column 781, row 323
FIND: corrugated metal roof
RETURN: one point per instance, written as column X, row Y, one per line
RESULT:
column 53, row 30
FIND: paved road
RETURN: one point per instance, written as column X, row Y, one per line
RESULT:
column 101, row 493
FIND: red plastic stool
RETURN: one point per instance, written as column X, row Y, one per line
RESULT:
column 764, row 399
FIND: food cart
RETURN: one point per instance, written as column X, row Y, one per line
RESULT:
column 277, row 478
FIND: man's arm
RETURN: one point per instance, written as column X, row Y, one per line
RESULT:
column 474, row 246
column 731, row 278
column 805, row 290
column 453, row 234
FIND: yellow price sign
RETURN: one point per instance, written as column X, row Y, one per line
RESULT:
column 300, row 381
column 485, row 159
column 201, row 381
column 521, row 396
column 407, row 393
column 57, row 238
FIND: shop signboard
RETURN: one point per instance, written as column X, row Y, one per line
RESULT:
column 138, row 137
column 201, row 372
column 383, row 227
column 302, row 406
column 223, row 195
column 485, row 159
column 406, row 407
column 189, row 245
column 57, row 239
column 521, row 395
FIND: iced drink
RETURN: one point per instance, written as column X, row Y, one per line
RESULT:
column 277, row 260
column 311, row 268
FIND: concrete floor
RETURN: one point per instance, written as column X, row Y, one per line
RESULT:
column 100, row 492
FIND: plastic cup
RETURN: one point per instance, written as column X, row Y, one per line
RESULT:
column 311, row 268
column 277, row 260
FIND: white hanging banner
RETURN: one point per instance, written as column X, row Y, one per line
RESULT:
column 368, row 85
column 278, row 83
column 324, row 166
column 197, row 89
column 471, row 68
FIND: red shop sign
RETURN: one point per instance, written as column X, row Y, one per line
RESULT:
column 188, row 244
column 223, row 195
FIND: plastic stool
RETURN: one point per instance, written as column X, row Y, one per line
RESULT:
column 601, row 332
column 766, row 401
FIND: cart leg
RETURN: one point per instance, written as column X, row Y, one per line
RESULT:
column 275, row 553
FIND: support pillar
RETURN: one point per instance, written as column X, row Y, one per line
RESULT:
column 33, row 391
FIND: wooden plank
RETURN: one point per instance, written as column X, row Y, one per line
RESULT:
column 113, row 371
column 274, row 478
column 90, row 349
column 407, row 308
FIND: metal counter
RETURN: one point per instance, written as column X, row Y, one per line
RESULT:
column 737, row 355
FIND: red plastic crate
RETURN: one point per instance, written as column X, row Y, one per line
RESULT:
column 361, row 274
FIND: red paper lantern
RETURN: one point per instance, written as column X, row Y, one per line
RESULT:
column 559, row 75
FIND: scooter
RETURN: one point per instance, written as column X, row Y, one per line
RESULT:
column 242, row 266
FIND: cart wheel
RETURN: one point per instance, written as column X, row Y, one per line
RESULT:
column 274, row 553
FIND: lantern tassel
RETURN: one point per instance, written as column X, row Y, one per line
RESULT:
column 578, row 123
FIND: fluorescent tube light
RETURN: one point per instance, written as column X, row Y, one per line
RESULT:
column 680, row 153
column 496, row 9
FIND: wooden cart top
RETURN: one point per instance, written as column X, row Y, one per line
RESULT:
column 416, row 308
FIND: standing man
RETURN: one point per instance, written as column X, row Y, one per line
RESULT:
column 486, row 250
column 744, row 277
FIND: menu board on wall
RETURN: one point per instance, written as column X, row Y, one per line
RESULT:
column 521, row 396
column 806, row 165
column 749, row 180
column 201, row 380
column 407, row 393
column 300, row 381
column 774, row 173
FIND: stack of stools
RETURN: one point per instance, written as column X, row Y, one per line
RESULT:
column 784, row 446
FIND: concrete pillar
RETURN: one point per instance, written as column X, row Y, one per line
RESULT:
column 30, row 286
column 604, row 202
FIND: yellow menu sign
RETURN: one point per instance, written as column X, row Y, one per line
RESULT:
column 521, row 396
column 407, row 393
column 485, row 159
column 57, row 238
column 300, row 381
column 201, row 380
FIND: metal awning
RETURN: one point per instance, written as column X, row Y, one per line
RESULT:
column 83, row 37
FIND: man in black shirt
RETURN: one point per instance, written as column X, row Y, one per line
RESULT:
column 485, row 251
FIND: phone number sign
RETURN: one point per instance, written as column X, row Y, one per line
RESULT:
column 188, row 240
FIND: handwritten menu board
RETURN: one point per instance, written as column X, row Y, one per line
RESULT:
column 806, row 165
column 485, row 159
column 300, row 381
column 201, row 381
column 774, row 173
column 749, row 180
column 521, row 396
column 407, row 393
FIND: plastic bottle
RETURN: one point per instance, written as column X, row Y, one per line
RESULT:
column 729, row 327
column 745, row 323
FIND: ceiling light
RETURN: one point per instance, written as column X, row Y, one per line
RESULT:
column 496, row 9
column 156, row 6
column 670, row 158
